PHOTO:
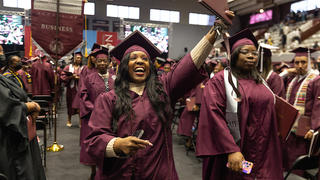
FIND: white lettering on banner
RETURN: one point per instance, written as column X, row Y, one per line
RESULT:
column 108, row 38
column 54, row 28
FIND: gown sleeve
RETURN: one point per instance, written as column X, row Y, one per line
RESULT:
column 86, row 106
column 101, row 124
column 312, row 107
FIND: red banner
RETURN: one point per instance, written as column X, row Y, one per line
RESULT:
column 44, row 31
column 107, row 38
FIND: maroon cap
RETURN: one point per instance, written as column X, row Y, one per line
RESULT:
column 136, row 41
column 244, row 37
column 300, row 51
column 211, row 61
column 223, row 61
column 136, row 48
column 170, row 60
column 103, row 51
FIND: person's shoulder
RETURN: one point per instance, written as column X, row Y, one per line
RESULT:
column 218, row 77
column 316, row 81
column 275, row 75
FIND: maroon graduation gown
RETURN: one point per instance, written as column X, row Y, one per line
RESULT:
column 84, row 72
column 154, row 162
column 295, row 146
column 42, row 78
column 72, row 89
column 92, row 86
column 313, row 104
column 275, row 82
column 258, row 128
column 187, row 118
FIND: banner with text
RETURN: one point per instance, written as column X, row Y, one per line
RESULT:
column 107, row 38
column 69, row 25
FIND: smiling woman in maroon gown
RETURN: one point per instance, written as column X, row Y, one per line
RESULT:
column 238, row 120
column 141, row 101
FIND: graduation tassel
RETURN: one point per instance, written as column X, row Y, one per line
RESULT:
column 261, row 61
column 85, row 31
column 309, row 60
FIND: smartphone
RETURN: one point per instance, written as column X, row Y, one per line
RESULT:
column 246, row 166
column 138, row 133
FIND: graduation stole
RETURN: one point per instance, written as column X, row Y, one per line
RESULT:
column 269, row 74
column 29, row 80
column 15, row 75
column 105, row 78
column 232, row 104
column 71, row 69
column 300, row 99
column 232, row 107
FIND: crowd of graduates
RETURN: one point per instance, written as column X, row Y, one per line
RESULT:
column 125, row 99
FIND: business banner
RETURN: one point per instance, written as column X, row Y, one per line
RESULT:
column 57, row 36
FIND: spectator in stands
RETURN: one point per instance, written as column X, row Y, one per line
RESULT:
column 266, row 37
column 315, row 45
column 283, row 38
column 316, row 13
column 318, row 63
column 296, row 35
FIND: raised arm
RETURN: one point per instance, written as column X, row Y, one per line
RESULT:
column 188, row 73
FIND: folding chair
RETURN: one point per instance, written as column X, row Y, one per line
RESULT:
column 41, row 123
column 47, row 103
column 304, row 163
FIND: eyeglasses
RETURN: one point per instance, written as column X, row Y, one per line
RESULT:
column 246, row 52
column 298, row 62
